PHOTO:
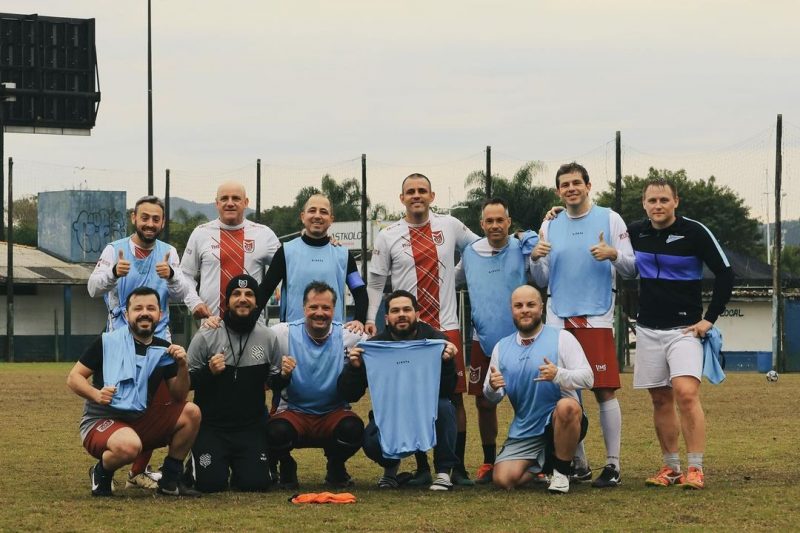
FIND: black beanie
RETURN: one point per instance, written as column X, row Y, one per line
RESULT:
column 243, row 281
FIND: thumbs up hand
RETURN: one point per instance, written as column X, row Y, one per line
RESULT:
column 542, row 247
column 547, row 372
column 163, row 269
column 602, row 250
column 496, row 380
column 123, row 266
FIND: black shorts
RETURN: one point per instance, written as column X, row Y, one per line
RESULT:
column 237, row 455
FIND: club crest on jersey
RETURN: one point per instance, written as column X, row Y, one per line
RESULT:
column 437, row 237
column 249, row 245
column 257, row 352
column 474, row 374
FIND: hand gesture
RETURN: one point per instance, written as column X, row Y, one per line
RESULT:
column 553, row 213
column 212, row 322
column 542, row 247
column 355, row 326
column 547, row 372
column 370, row 329
column 700, row 329
column 123, row 266
column 450, row 351
column 163, row 269
column 178, row 354
column 355, row 356
column 602, row 250
column 496, row 380
column 201, row 311
column 288, row 363
column 105, row 395
column 217, row 363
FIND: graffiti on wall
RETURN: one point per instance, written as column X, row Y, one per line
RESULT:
column 92, row 230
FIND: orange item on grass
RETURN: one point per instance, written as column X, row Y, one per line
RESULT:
column 323, row 497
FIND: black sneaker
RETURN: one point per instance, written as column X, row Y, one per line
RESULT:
column 581, row 473
column 100, row 487
column 608, row 478
column 337, row 476
column 420, row 478
column 460, row 477
column 288, row 473
column 176, row 487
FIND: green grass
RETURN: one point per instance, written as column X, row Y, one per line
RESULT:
column 752, row 467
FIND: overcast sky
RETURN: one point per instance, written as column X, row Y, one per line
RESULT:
column 310, row 86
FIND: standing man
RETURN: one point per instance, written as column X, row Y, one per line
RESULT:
column 117, row 376
column 140, row 260
column 670, row 253
column 223, row 248
column 492, row 267
column 539, row 368
column 230, row 367
column 312, row 257
column 402, row 325
column 578, row 265
column 313, row 413
column 418, row 254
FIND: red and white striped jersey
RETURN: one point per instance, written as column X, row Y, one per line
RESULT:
column 217, row 252
column 421, row 259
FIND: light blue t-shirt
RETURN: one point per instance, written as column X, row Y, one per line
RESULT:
column 403, row 381
column 306, row 263
column 312, row 388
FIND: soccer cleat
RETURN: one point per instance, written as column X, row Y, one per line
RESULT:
column 100, row 487
column 608, row 478
column 694, row 479
column 665, row 477
column 442, row 482
column 388, row 482
column 461, row 478
column 484, row 475
column 421, row 478
column 288, row 474
column 559, row 483
column 176, row 488
column 581, row 473
column 337, row 476
column 141, row 481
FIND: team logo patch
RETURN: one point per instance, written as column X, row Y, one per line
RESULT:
column 474, row 374
column 104, row 425
column 601, row 368
column 242, row 283
column 673, row 238
column 205, row 460
column 438, row 238
column 249, row 245
column 257, row 352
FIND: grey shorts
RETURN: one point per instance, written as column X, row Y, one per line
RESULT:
column 664, row 354
column 530, row 449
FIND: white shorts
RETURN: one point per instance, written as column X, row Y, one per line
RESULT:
column 663, row 354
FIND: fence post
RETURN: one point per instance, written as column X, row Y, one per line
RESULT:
column 488, row 172
column 777, row 282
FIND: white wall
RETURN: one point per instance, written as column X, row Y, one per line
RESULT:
column 746, row 326
column 33, row 315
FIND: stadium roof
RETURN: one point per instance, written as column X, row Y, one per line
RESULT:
column 35, row 267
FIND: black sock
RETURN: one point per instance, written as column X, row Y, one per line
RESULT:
column 101, row 472
column 565, row 467
column 422, row 461
column 171, row 469
column 461, row 444
column 489, row 453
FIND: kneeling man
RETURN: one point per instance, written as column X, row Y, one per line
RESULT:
column 539, row 368
column 119, row 420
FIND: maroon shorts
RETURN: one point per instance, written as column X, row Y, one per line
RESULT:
column 454, row 336
column 478, row 368
column 598, row 345
column 155, row 428
column 313, row 431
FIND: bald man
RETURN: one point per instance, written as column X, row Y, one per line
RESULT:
column 224, row 248
column 540, row 368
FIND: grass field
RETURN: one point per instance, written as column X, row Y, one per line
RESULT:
column 752, row 468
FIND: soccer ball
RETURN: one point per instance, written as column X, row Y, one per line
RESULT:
column 772, row 376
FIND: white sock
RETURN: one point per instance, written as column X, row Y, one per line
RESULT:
column 611, row 424
column 580, row 456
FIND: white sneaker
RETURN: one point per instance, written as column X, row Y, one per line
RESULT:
column 442, row 482
column 559, row 483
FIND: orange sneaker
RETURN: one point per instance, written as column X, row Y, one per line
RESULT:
column 665, row 477
column 484, row 474
column 694, row 479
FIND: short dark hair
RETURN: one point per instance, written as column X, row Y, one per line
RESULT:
column 399, row 293
column 150, row 199
column 318, row 287
column 569, row 168
column 660, row 182
column 494, row 201
column 142, row 291
column 415, row 175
